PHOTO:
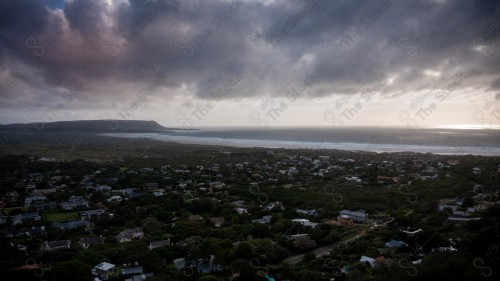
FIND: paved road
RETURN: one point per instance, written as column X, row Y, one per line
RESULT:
column 320, row 251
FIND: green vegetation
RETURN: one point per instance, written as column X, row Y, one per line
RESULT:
column 199, row 189
column 52, row 217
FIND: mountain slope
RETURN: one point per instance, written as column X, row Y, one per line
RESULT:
column 109, row 126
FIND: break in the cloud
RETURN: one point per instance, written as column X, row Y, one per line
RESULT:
column 86, row 58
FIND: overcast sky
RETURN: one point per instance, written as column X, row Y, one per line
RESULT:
column 252, row 62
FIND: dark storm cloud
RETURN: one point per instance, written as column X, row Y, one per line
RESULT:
column 101, row 49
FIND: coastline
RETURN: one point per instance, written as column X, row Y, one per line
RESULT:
column 346, row 146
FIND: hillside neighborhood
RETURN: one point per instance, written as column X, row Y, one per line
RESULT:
column 193, row 219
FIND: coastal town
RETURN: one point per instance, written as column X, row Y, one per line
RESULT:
column 337, row 216
column 249, row 140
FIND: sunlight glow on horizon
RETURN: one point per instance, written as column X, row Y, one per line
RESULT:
column 469, row 127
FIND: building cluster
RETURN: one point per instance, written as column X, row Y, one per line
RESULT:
column 39, row 208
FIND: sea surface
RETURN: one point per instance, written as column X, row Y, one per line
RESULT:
column 381, row 139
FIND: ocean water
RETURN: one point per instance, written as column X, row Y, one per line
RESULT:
column 439, row 141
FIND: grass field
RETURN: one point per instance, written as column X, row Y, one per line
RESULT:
column 52, row 217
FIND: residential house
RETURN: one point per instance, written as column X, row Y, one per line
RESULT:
column 11, row 199
column 445, row 249
column 152, row 186
column 460, row 214
column 180, row 263
column 100, row 188
column 311, row 212
column 369, row 260
column 35, row 230
column 476, row 171
column 394, row 243
column 305, row 222
column 201, row 266
column 146, row 170
column 130, row 234
column 46, row 191
column 115, row 198
column 103, row 270
column 86, row 242
column 140, row 277
column 88, row 178
column 91, row 214
column 74, row 202
column 56, row 245
column 241, row 211
column 298, row 236
column 126, row 191
column 353, row 179
column 25, row 217
column 273, row 205
column 45, row 206
column 70, row 225
column 263, row 220
column 132, row 271
column 157, row 244
column 471, row 210
column 159, row 193
column 443, row 206
column 35, row 175
column 431, row 170
column 429, row 177
column 357, row 216
column 130, row 193
column 216, row 185
column 462, row 220
column 29, row 200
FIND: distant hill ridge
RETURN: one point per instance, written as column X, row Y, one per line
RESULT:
column 109, row 126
